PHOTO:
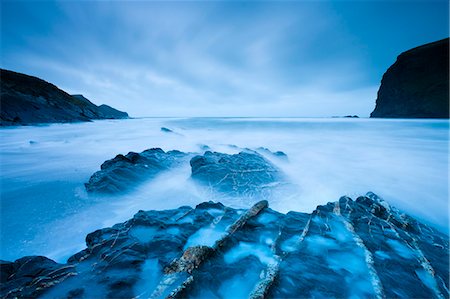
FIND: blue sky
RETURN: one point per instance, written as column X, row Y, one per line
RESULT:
column 212, row 58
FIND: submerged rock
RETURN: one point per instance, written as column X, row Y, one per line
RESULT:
column 362, row 248
column 245, row 174
column 277, row 154
column 125, row 172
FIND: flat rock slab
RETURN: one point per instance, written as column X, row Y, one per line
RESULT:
column 360, row 248
column 246, row 174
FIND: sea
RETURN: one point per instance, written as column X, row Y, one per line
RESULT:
column 45, row 210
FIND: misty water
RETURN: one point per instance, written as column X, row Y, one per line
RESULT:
column 45, row 209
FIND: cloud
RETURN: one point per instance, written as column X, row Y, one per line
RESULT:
column 201, row 58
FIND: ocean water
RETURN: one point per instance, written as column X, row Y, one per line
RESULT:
column 45, row 209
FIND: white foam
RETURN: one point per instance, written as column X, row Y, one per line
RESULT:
column 403, row 161
column 244, row 249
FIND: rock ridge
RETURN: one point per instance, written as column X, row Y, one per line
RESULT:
column 361, row 248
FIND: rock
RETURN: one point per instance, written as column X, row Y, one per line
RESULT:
column 277, row 154
column 166, row 130
column 348, row 248
column 204, row 147
column 245, row 174
column 417, row 84
column 351, row 116
column 30, row 100
column 29, row 277
column 126, row 172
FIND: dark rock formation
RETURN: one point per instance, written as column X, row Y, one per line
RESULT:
column 245, row 174
column 166, row 130
column 125, row 172
column 30, row 276
column 417, row 84
column 30, row 100
column 362, row 249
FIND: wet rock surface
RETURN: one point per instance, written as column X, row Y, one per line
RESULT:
column 126, row 172
column 246, row 174
column 349, row 248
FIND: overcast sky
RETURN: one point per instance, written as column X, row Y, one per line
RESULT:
column 288, row 58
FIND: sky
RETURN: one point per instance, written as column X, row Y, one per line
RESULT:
column 215, row 58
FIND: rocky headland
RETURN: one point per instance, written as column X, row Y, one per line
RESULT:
column 29, row 100
column 417, row 84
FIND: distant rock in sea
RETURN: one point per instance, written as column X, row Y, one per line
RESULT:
column 166, row 130
column 29, row 100
column 417, row 84
column 361, row 248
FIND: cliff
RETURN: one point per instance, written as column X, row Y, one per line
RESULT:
column 417, row 84
column 30, row 100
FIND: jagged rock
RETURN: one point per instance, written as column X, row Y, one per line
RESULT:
column 30, row 100
column 278, row 154
column 29, row 277
column 245, row 174
column 125, row 172
column 363, row 248
column 417, row 84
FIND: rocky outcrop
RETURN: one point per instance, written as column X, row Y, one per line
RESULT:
column 125, row 172
column 350, row 248
column 31, row 276
column 30, row 100
column 246, row 174
column 417, row 84
column 104, row 111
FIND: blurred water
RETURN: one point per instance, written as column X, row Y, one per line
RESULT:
column 46, row 211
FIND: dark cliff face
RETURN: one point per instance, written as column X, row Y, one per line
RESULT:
column 30, row 100
column 417, row 84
